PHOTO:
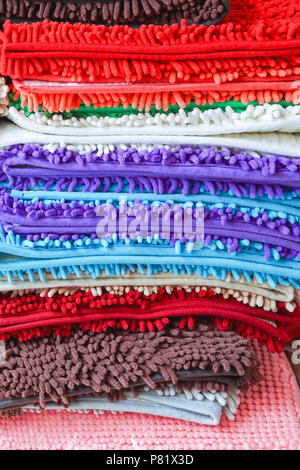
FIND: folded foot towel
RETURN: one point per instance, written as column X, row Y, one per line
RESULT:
column 58, row 368
column 261, row 41
column 268, row 418
column 189, row 405
column 32, row 315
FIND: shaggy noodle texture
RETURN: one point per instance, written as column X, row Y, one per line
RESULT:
column 158, row 169
column 116, row 11
column 32, row 316
column 149, row 285
column 262, row 118
column 189, row 405
column 268, row 418
column 46, row 227
column 197, row 389
column 262, row 41
column 106, row 363
column 247, row 293
column 114, row 100
column 15, row 268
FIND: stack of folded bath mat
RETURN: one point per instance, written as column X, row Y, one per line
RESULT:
column 149, row 208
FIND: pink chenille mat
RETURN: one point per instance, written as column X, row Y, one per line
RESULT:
column 268, row 418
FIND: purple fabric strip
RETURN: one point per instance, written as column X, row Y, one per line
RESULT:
column 160, row 170
column 30, row 164
column 36, row 220
column 212, row 228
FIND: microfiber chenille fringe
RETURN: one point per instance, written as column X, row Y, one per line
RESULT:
column 189, row 405
column 260, row 39
column 268, row 418
column 85, row 363
column 32, row 316
column 134, row 12
column 115, row 99
column 185, row 122
column 250, row 293
column 277, row 143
